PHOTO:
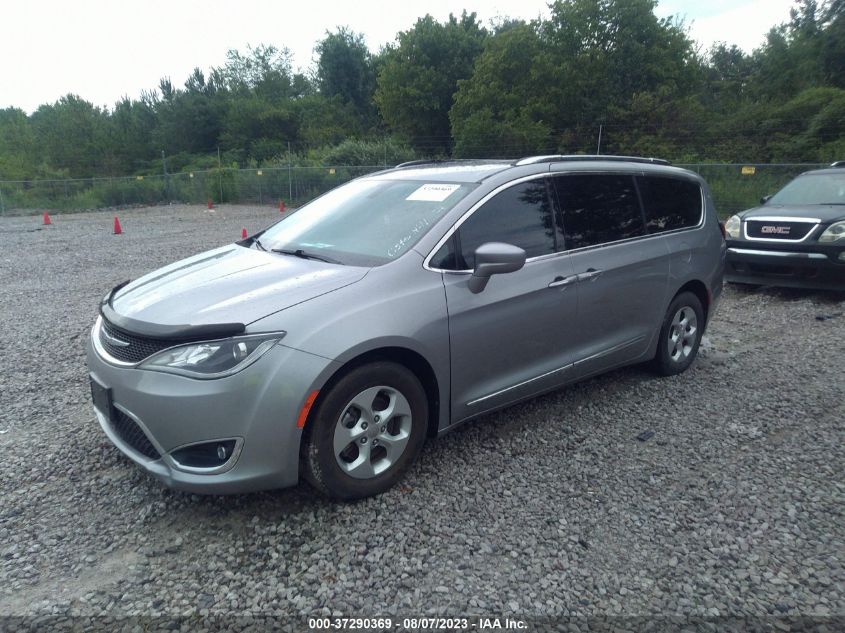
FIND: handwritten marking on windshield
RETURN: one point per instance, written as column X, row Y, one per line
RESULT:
column 400, row 244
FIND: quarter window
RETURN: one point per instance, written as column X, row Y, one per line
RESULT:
column 598, row 209
column 669, row 203
column 446, row 258
column 521, row 215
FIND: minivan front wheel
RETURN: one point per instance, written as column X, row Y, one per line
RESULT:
column 680, row 335
column 366, row 431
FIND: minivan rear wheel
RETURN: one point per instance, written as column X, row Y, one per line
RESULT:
column 680, row 335
column 366, row 431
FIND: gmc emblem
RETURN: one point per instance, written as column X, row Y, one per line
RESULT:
column 776, row 230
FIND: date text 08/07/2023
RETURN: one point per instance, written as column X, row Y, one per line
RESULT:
column 416, row 624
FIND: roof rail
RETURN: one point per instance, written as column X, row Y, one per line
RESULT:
column 414, row 163
column 450, row 161
column 839, row 163
column 531, row 160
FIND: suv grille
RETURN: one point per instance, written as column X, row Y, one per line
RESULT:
column 777, row 230
column 128, row 431
column 138, row 349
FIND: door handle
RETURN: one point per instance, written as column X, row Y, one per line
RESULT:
column 563, row 281
column 591, row 274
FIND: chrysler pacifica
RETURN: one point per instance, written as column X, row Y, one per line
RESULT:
column 397, row 306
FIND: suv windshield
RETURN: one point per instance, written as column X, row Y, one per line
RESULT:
column 365, row 222
column 813, row 189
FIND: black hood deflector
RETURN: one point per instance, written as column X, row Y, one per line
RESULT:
column 183, row 332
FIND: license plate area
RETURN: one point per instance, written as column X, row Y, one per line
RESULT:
column 102, row 399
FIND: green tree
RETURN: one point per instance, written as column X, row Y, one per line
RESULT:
column 727, row 76
column 549, row 86
column 353, row 152
column 130, row 130
column 607, row 51
column 72, row 135
column 419, row 76
column 661, row 124
column 808, row 127
column 326, row 121
column 265, row 72
column 789, row 61
column 503, row 109
column 345, row 69
column 188, row 121
column 258, row 109
column 18, row 150
column 832, row 49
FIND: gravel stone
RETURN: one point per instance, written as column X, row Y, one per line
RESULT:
column 551, row 508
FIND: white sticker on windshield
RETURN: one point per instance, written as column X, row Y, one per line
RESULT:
column 433, row 192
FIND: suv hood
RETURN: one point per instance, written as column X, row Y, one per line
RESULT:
column 229, row 284
column 824, row 212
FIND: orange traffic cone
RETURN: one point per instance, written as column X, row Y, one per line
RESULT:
column 117, row 229
column 46, row 221
column 243, row 234
column 281, row 206
column 210, row 205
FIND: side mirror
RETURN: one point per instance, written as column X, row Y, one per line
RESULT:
column 765, row 199
column 494, row 258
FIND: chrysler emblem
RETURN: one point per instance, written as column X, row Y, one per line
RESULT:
column 114, row 341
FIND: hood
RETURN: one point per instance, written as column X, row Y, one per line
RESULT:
column 824, row 212
column 232, row 284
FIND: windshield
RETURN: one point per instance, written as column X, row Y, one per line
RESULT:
column 365, row 222
column 813, row 189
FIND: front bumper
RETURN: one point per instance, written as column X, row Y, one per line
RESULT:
column 257, row 407
column 805, row 265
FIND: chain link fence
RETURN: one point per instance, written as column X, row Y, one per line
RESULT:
column 293, row 185
column 735, row 187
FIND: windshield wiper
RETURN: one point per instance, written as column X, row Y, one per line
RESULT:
column 258, row 243
column 305, row 255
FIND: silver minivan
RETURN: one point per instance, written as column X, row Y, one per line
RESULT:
column 397, row 306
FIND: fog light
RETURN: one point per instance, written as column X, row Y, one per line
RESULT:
column 842, row 256
column 205, row 455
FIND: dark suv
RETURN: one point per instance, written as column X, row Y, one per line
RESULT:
column 796, row 237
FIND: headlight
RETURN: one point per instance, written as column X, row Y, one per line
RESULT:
column 213, row 359
column 834, row 232
column 733, row 226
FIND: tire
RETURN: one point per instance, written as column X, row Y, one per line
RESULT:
column 680, row 335
column 365, row 432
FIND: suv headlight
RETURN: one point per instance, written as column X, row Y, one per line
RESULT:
column 834, row 232
column 212, row 359
column 733, row 226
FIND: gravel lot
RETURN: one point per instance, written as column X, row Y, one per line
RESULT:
column 550, row 508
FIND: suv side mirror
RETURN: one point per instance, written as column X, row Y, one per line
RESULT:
column 765, row 199
column 494, row 258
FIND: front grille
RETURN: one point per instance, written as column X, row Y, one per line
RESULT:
column 128, row 431
column 139, row 347
column 777, row 230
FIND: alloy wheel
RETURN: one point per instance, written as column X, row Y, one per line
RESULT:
column 683, row 333
column 372, row 432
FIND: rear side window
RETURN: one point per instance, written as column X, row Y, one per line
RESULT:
column 521, row 215
column 669, row 203
column 598, row 209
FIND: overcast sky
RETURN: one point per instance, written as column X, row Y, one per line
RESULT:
column 104, row 49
